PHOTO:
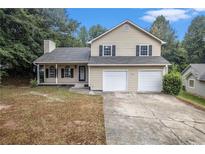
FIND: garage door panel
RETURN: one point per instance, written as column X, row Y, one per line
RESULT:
column 114, row 81
column 150, row 81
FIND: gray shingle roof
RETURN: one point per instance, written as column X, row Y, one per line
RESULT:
column 202, row 77
column 69, row 55
column 198, row 70
column 64, row 55
column 128, row 60
column 198, row 67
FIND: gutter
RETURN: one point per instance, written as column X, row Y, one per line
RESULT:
column 128, row 64
column 68, row 62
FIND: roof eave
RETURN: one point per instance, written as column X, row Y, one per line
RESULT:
column 185, row 69
column 202, row 80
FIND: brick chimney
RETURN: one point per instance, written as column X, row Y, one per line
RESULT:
column 49, row 46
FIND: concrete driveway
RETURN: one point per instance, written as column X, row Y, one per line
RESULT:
column 132, row 118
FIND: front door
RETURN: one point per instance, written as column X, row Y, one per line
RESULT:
column 82, row 73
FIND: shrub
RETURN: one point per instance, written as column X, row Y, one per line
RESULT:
column 172, row 83
column 33, row 83
column 3, row 74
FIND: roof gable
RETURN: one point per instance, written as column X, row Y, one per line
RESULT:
column 131, row 23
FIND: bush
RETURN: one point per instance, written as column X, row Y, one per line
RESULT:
column 3, row 74
column 172, row 83
column 33, row 83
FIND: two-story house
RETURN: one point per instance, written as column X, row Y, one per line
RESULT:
column 125, row 58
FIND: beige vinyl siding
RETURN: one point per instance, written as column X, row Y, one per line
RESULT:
column 96, row 75
column 126, row 41
column 66, row 80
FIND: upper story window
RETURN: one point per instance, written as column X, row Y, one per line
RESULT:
column 107, row 50
column 144, row 50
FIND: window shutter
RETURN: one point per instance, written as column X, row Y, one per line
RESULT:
column 113, row 50
column 150, row 50
column 56, row 73
column 62, row 72
column 46, row 72
column 71, row 72
column 100, row 50
column 137, row 50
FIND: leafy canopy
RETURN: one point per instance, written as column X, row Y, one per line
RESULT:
column 173, row 50
column 95, row 31
column 162, row 29
column 23, row 30
column 194, row 41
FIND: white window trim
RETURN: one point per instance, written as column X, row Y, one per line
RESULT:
column 189, row 81
column 103, row 50
column 147, row 49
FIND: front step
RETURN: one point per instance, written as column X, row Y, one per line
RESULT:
column 79, row 85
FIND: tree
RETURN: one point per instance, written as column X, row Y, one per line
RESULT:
column 95, row 31
column 23, row 30
column 178, row 57
column 161, row 28
column 83, row 35
column 194, row 41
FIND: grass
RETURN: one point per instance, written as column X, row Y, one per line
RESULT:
column 50, row 115
column 195, row 100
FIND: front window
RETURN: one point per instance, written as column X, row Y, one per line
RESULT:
column 107, row 50
column 144, row 50
column 191, row 83
column 52, row 72
column 67, row 71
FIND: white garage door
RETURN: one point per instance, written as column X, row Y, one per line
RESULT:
column 114, row 81
column 150, row 81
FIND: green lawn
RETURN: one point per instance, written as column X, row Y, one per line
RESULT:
column 191, row 98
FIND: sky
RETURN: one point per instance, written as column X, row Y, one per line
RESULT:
column 179, row 19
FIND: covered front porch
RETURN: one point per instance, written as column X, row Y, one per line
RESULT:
column 62, row 74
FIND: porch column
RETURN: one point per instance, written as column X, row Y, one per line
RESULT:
column 88, row 76
column 38, row 77
column 56, row 73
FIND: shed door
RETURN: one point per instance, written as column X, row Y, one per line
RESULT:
column 114, row 81
column 150, row 81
